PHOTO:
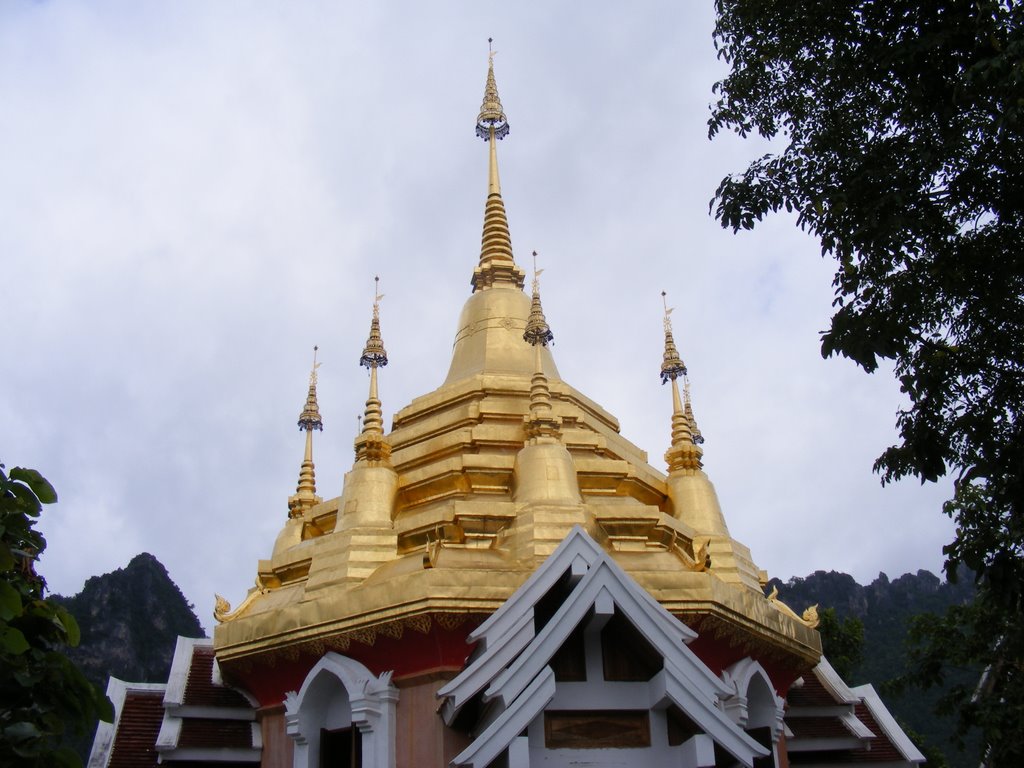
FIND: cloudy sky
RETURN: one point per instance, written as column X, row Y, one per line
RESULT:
column 193, row 194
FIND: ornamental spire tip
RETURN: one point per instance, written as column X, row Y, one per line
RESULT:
column 537, row 329
column 672, row 366
column 310, row 419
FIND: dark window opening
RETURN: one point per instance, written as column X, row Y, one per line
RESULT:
column 341, row 748
column 763, row 736
column 680, row 727
column 626, row 654
column 570, row 662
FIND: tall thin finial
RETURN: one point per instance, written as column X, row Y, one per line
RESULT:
column 497, row 265
column 491, row 117
column 537, row 329
column 310, row 419
column 370, row 443
column 305, row 493
column 685, row 452
column 541, row 423
column 672, row 366
column 374, row 355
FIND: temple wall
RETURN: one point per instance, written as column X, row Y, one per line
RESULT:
column 422, row 740
column 277, row 745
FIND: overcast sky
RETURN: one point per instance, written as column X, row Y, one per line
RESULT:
column 193, row 194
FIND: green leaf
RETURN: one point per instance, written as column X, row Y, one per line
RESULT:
column 10, row 601
column 12, row 641
column 39, row 484
column 21, row 731
column 65, row 757
column 70, row 626
column 6, row 558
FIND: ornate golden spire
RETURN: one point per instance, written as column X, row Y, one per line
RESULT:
column 672, row 365
column 537, row 329
column 497, row 265
column 305, row 493
column 370, row 444
column 541, row 422
column 685, row 453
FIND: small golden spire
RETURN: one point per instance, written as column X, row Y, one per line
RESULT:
column 541, row 423
column 305, row 493
column 370, row 444
column 537, row 329
column 497, row 264
column 310, row 417
column 685, row 452
column 374, row 354
column 672, row 365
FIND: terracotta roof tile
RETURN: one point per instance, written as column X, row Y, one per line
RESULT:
column 879, row 749
column 200, row 690
column 137, row 729
column 824, row 727
column 811, row 694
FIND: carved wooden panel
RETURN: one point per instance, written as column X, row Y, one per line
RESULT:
column 597, row 729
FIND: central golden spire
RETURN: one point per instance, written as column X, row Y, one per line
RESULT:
column 497, row 265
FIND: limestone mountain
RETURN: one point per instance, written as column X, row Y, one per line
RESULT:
column 130, row 619
column 885, row 608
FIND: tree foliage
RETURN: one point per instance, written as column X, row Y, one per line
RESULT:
column 42, row 694
column 842, row 641
column 901, row 149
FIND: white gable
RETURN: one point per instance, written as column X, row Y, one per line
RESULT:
column 513, row 678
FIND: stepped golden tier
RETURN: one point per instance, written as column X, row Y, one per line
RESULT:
column 441, row 519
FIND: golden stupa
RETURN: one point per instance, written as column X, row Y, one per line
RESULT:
column 445, row 515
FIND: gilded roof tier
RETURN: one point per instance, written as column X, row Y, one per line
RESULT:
column 464, row 504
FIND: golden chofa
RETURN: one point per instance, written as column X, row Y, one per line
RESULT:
column 441, row 519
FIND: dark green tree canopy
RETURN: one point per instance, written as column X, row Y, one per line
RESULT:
column 898, row 124
column 43, row 695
